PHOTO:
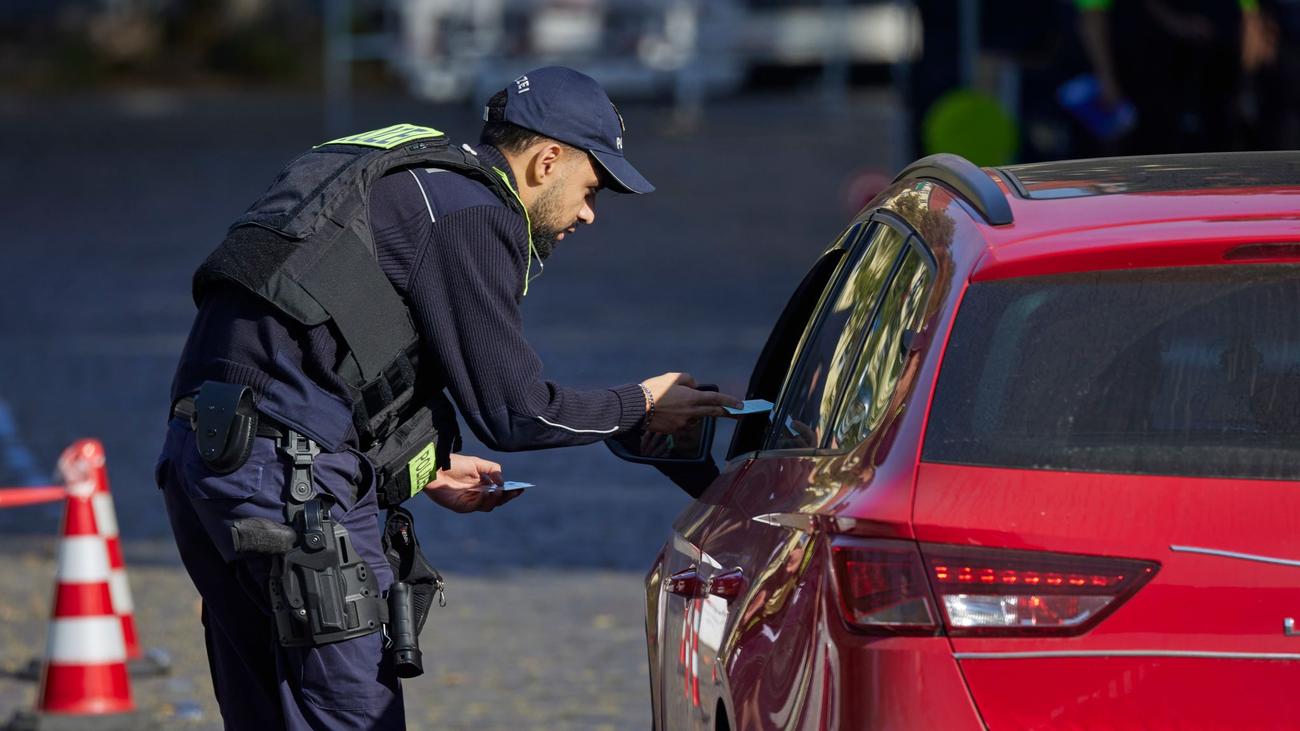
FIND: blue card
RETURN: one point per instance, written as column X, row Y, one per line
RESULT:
column 752, row 406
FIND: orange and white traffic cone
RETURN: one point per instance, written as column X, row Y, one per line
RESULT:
column 91, row 452
column 84, row 681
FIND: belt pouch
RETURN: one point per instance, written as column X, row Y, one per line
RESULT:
column 225, row 424
column 410, row 565
column 408, row 459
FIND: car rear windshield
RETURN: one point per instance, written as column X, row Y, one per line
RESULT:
column 1190, row 371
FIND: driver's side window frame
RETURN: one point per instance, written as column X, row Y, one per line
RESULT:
column 812, row 331
column 782, row 347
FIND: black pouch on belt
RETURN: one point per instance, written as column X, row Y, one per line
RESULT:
column 409, row 458
column 410, row 565
column 225, row 423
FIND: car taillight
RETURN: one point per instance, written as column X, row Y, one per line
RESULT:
column 885, row 586
column 882, row 586
column 992, row 591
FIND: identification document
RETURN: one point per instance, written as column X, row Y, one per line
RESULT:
column 752, row 406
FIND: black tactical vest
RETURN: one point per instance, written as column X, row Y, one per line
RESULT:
column 305, row 247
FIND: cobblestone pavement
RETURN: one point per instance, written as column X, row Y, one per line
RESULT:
column 110, row 201
column 515, row 649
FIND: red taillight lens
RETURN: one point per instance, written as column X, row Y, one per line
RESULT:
column 882, row 586
column 993, row 591
column 886, row 586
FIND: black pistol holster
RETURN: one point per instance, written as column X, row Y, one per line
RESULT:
column 321, row 590
column 325, row 594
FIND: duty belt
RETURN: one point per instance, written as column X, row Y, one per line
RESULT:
column 301, row 450
column 186, row 410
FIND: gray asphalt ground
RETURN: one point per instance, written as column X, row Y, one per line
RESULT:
column 109, row 201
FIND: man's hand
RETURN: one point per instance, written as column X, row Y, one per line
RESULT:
column 469, row 485
column 677, row 404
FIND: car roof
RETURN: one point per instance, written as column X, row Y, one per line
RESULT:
column 1153, row 174
column 1123, row 212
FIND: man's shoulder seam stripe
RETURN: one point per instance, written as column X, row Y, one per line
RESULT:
column 424, row 195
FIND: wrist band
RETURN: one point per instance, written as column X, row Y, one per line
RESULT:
column 650, row 403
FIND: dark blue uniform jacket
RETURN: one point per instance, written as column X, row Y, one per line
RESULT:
column 458, row 256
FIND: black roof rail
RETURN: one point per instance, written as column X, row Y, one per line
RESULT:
column 971, row 183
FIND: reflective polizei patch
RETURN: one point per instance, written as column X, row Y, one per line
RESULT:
column 388, row 137
column 82, row 560
column 86, row 641
column 422, row 467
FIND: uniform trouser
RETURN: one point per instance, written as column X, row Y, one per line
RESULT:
column 258, row 683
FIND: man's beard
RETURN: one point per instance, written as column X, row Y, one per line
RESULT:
column 545, row 217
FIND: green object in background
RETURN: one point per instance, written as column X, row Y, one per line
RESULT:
column 971, row 124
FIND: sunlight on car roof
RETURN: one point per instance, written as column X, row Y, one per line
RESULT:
column 1154, row 174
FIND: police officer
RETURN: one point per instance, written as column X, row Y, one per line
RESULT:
column 379, row 275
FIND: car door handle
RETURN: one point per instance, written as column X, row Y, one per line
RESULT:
column 684, row 583
column 728, row 584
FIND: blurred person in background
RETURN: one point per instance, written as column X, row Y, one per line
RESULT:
column 1274, row 85
column 449, row 237
column 1027, row 70
column 1042, row 60
column 936, row 70
column 1179, row 62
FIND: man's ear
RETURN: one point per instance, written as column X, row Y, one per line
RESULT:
column 545, row 163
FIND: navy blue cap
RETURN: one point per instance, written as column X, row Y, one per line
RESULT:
column 571, row 107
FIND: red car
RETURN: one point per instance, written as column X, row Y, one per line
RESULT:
column 1033, row 463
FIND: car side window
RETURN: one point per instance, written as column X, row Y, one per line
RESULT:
column 828, row 352
column 778, row 352
column 884, row 353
